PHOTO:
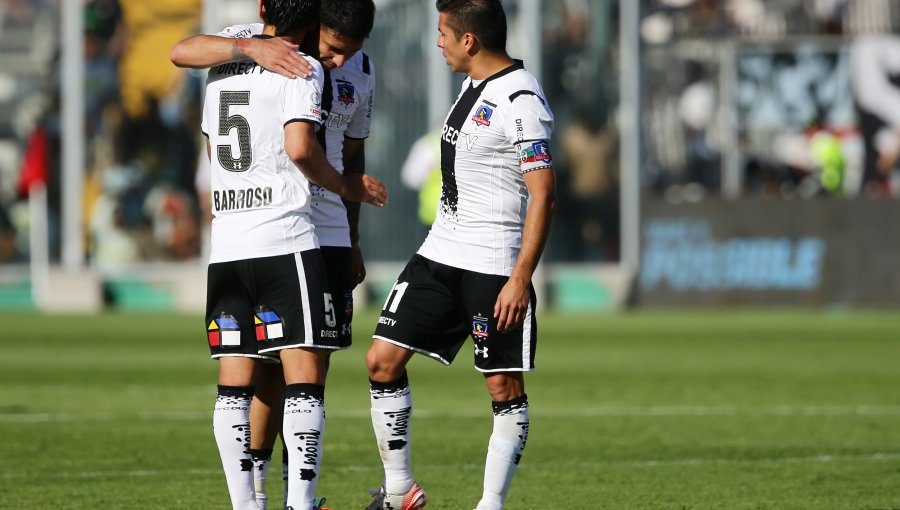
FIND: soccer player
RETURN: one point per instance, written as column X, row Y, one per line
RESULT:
column 472, row 275
column 267, row 291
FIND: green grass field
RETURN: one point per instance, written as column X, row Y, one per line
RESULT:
column 687, row 410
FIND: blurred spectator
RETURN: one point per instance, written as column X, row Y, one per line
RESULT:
column 876, row 84
column 697, row 110
column 422, row 172
column 589, row 187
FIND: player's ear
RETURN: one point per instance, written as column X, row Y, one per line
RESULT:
column 470, row 42
column 262, row 9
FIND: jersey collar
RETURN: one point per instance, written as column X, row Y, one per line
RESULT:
column 516, row 65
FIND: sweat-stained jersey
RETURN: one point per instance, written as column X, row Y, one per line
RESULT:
column 497, row 131
column 260, row 199
column 347, row 102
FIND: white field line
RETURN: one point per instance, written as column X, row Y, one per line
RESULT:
column 581, row 465
column 598, row 412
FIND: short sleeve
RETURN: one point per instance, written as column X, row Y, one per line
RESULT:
column 241, row 31
column 530, row 129
column 361, row 123
column 531, row 119
column 303, row 97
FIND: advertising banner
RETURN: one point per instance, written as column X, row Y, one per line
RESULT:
column 801, row 252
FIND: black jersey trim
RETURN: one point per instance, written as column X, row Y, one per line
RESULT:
column 316, row 123
column 327, row 103
column 355, row 138
column 366, row 65
column 262, row 36
column 516, row 65
column 514, row 95
column 204, row 133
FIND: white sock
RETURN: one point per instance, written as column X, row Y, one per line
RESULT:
column 504, row 450
column 261, row 461
column 231, row 427
column 284, row 474
column 304, row 425
column 391, row 420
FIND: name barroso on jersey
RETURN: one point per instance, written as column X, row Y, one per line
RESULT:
column 346, row 112
column 260, row 200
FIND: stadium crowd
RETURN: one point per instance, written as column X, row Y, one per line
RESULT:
column 760, row 98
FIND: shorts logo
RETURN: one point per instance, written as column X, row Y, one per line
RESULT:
column 345, row 92
column 479, row 328
column 348, row 304
column 269, row 325
column 483, row 115
column 538, row 152
column 224, row 332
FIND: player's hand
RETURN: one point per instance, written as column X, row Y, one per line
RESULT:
column 357, row 265
column 365, row 188
column 512, row 304
column 278, row 56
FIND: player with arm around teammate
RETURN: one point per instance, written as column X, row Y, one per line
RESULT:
column 347, row 101
column 267, row 294
column 497, row 204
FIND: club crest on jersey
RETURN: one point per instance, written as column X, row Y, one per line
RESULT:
column 482, row 115
column 269, row 325
column 345, row 92
column 479, row 328
column 537, row 152
column 224, row 332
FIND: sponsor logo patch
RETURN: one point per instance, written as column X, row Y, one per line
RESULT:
column 269, row 325
column 224, row 332
column 538, row 152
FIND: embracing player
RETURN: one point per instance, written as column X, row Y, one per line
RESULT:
column 268, row 294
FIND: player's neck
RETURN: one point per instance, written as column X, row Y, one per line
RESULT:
column 484, row 64
column 295, row 37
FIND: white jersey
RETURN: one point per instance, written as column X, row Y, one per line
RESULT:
column 260, row 199
column 347, row 102
column 497, row 131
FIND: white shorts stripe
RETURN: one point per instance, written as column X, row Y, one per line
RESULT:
column 304, row 300
column 526, row 338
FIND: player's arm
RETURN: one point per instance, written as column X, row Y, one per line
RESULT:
column 275, row 54
column 303, row 148
column 512, row 303
column 355, row 163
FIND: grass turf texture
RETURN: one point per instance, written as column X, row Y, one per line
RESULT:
column 736, row 410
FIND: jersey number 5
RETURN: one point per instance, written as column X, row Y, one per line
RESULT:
column 228, row 122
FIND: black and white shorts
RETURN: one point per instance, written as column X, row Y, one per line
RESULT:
column 256, row 307
column 339, row 268
column 433, row 308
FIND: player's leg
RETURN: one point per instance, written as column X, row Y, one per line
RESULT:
column 511, row 424
column 503, row 358
column 304, row 421
column 391, row 410
column 231, row 427
column 419, row 315
column 265, row 424
column 297, row 298
column 231, row 342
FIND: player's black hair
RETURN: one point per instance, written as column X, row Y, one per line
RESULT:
column 290, row 15
column 484, row 18
column 349, row 18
